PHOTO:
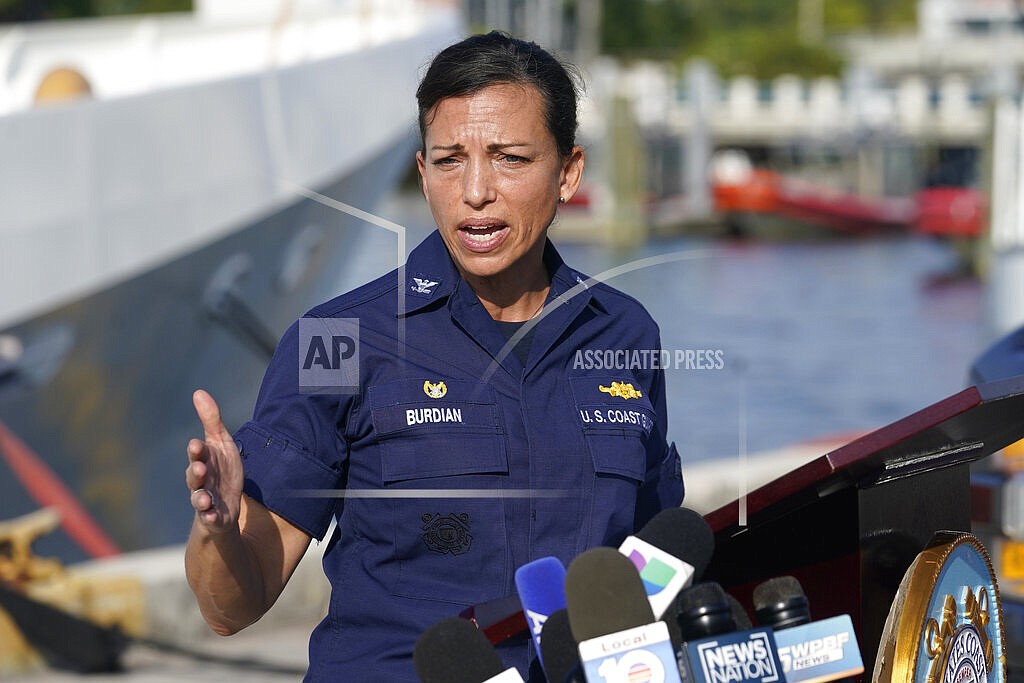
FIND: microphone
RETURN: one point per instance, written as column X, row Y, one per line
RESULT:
column 611, row 619
column 704, row 610
column 714, row 650
column 541, row 586
column 739, row 615
column 455, row 651
column 824, row 650
column 561, row 661
column 670, row 552
column 781, row 603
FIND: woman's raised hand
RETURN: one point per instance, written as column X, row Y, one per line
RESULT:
column 214, row 474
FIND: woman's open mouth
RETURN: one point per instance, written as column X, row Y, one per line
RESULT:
column 483, row 237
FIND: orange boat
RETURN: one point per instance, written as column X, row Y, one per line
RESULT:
column 759, row 191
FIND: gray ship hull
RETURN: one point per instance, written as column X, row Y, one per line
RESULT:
column 102, row 391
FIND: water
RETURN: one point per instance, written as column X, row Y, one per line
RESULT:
column 818, row 338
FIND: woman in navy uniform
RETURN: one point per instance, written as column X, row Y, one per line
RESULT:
column 478, row 434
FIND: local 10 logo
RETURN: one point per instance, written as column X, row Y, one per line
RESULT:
column 638, row 655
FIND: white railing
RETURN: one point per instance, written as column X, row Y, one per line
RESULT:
column 745, row 110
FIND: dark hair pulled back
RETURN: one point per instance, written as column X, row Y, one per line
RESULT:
column 479, row 61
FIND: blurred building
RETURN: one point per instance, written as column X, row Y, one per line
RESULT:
column 979, row 40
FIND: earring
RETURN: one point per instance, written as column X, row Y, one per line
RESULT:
column 561, row 200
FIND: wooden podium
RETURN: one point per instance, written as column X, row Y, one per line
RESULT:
column 849, row 523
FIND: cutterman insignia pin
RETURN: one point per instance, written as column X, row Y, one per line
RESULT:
column 620, row 389
column 434, row 390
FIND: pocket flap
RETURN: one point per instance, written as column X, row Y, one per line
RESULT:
column 437, row 428
column 442, row 455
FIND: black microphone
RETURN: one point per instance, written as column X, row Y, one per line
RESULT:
column 703, row 610
column 739, row 614
column 677, row 537
column 714, row 649
column 604, row 594
column 558, row 649
column 671, row 551
column 824, row 650
column 781, row 603
column 611, row 619
column 683, row 533
column 455, row 651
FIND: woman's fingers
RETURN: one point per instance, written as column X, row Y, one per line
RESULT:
column 195, row 475
column 209, row 414
column 196, row 450
column 214, row 472
column 202, row 500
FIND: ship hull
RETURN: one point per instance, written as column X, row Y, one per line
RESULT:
column 102, row 391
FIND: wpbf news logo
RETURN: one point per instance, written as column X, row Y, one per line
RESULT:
column 328, row 355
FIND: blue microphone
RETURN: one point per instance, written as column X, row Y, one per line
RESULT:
column 541, row 586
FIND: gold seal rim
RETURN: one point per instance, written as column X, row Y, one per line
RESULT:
column 925, row 571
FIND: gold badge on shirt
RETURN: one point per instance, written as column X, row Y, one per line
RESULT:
column 621, row 389
column 434, row 390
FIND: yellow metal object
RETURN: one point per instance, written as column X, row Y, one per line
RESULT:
column 1013, row 456
column 107, row 601
column 17, row 564
column 1011, row 561
column 62, row 85
column 623, row 390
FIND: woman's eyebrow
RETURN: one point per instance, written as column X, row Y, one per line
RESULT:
column 505, row 145
column 494, row 146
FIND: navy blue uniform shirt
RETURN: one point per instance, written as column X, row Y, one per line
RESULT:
column 439, row 406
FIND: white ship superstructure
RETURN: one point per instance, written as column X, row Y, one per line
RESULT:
column 194, row 125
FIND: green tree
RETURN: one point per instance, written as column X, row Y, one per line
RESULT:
column 755, row 37
column 650, row 29
column 40, row 10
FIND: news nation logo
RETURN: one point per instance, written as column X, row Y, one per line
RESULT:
column 328, row 355
column 747, row 656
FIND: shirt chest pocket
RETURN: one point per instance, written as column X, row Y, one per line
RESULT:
column 443, row 442
column 437, row 429
column 617, row 420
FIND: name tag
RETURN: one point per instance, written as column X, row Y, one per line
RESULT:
column 472, row 416
column 614, row 417
column 418, row 416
